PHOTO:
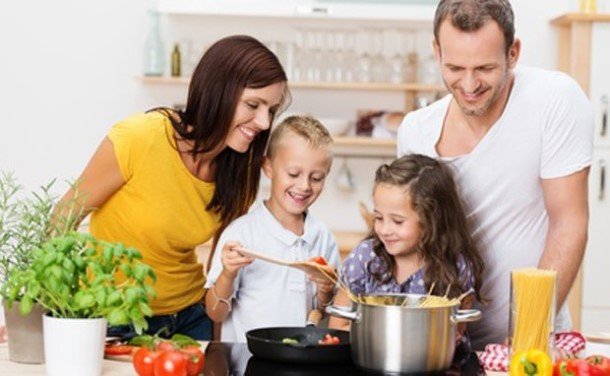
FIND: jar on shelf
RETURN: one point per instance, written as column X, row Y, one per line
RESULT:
column 154, row 53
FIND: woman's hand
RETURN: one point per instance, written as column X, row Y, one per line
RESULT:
column 232, row 260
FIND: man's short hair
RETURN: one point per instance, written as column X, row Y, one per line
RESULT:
column 471, row 15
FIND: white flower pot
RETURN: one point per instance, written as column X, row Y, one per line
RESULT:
column 74, row 347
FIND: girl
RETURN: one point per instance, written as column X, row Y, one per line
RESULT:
column 166, row 181
column 420, row 236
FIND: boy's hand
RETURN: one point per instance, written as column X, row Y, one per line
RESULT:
column 232, row 260
column 323, row 284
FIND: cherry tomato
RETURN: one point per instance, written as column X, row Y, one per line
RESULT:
column 601, row 363
column 329, row 340
column 144, row 361
column 114, row 350
column 170, row 363
column 319, row 260
column 165, row 346
column 194, row 358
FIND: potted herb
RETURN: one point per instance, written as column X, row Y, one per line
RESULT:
column 74, row 277
column 24, row 223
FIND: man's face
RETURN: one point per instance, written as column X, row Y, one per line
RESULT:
column 475, row 66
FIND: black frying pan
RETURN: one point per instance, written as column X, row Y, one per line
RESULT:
column 266, row 343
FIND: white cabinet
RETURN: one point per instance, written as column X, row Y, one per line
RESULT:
column 583, row 53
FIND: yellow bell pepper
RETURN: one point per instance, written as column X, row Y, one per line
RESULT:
column 531, row 363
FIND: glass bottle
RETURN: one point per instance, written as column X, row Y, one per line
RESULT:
column 154, row 55
column 176, row 63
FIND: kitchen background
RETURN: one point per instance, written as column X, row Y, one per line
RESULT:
column 70, row 69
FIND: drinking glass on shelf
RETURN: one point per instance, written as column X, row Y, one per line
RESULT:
column 365, row 60
column 379, row 66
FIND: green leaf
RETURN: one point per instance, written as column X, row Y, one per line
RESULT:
column 126, row 269
column 114, row 298
column 145, row 308
column 33, row 288
column 117, row 317
column 79, row 262
column 141, row 271
column 100, row 298
column 182, row 340
column 49, row 258
column 143, row 340
column 131, row 295
column 25, row 306
column 69, row 266
column 107, row 254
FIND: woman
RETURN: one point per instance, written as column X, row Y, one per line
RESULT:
column 166, row 181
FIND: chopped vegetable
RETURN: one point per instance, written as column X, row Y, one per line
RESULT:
column 592, row 366
column 290, row 341
column 114, row 350
column 531, row 363
column 329, row 340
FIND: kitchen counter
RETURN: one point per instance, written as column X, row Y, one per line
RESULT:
column 221, row 359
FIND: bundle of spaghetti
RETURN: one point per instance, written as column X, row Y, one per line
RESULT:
column 337, row 281
column 433, row 301
column 533, row 299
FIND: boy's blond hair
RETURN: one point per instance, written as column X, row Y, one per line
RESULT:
column 304, row 126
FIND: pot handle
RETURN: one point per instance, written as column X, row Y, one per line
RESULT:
column 466, row 315
column 343, row 312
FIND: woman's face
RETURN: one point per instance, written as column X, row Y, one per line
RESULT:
column 253, row 115
column 396, row 223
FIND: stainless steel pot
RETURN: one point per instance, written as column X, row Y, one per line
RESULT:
column 403, row 339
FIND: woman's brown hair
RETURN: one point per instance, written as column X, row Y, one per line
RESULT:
column 228, row 67
column 446, row 236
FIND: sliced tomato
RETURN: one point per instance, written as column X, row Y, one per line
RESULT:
column 194, row 358
column 114, row 350
column 319, row 260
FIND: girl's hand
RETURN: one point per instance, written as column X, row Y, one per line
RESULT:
column 3, row 334
column 232, row 260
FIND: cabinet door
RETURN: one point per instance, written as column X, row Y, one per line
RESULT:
column 600, row 82
column 596, row 266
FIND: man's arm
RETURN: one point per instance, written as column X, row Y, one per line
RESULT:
column 566, row 201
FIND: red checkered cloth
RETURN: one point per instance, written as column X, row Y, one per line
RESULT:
column 567, row 344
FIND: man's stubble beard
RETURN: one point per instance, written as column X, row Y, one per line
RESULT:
column 494, row 97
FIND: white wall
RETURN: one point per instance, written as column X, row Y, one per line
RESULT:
column 67, row 72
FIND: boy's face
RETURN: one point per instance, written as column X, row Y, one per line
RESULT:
column 297, row 173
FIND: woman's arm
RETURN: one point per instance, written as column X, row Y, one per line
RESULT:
column 99, row 180
column 342, row 300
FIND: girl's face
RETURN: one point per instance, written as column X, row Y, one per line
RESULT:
column 253, row 115
column 396, row 223
column 297, row 172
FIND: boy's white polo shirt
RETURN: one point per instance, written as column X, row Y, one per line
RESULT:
column 265, row 294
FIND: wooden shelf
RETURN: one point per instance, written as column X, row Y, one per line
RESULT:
column 364, row 147
column 570, row 18
column 371, row 86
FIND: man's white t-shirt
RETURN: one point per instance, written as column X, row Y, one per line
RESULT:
column 545, row 132
column 266, row 294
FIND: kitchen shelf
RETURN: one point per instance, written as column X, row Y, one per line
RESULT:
column 371, row 86
column 416, row 14
column 569, row 18
column 364, row 147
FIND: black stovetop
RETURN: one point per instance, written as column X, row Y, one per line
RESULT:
column 234, row 359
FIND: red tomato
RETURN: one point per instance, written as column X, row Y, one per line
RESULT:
column 329, row 340
column 170, row 363
column 575, row 367
column 144, row 361
column 114, row 350
column 165, row 346
column 194, row 358
column 601, row 363
column 319, row 260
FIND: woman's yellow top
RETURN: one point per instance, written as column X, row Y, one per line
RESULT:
column 160, row 210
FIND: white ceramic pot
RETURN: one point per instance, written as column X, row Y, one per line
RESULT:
column 74, row 346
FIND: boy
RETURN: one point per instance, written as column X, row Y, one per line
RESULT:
column 245, row 294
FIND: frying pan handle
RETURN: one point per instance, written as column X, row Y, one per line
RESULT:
column 343, row 312
column 466, row 315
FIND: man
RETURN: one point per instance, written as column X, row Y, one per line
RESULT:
column 520, row 142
